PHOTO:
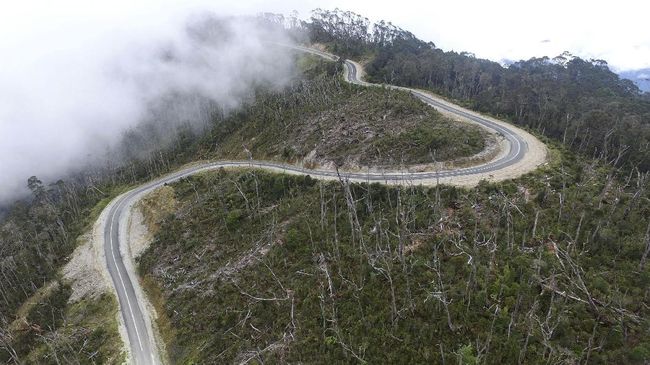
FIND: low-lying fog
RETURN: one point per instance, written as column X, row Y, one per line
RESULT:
column 71, row 88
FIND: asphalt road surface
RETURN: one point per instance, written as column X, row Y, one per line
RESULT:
column 140, row 335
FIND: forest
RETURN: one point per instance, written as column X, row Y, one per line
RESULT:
column 250, row 266
column 581, row 103
column 548, row 268
column 39, row 234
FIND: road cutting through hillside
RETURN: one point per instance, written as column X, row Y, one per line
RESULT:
column 521, row 153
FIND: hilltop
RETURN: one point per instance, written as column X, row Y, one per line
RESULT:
column 324, row 122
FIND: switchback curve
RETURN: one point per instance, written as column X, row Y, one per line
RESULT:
column 515, row 161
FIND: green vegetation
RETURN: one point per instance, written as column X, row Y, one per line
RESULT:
column 36, row 240
column 38, row 235
column 322, row 120
column 273, row 268
column 579, row 102
column 54, row 331
column 247, row 265
column 45, row 315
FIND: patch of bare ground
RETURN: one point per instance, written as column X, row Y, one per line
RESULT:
column 255, row 356
column 251, row 257
column 85, row 270
column 154, row 207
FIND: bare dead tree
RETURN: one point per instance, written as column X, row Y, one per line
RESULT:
column 439, row 292
column 590, row 345
column 549, row 325
column 352, row 211
column 241, row 192
column 530, row 318
column 644, row 257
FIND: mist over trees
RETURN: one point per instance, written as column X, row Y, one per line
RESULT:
column 189, row 88
column 70, row 108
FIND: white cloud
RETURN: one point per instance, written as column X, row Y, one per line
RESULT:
column 58, row 60
column 72, row 83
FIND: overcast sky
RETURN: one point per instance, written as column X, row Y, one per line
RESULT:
column 75, row 74
column 511, row 29
column 500, row 29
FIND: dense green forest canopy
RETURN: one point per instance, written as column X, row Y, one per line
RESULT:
column 581, row 103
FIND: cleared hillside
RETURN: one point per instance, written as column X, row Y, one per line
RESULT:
column 322, row 121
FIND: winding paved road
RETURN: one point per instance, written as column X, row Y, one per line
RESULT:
column 138, row 326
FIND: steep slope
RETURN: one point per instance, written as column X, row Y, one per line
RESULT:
column 324, row 122
column 253, row 266
column 60, row 213
column 136, row 317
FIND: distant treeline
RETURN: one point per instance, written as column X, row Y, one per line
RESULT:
column 578, row 102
